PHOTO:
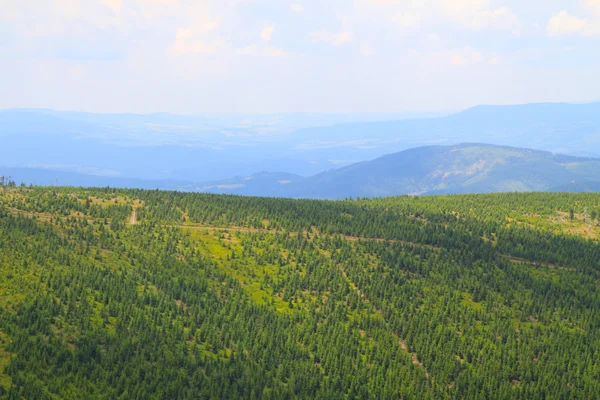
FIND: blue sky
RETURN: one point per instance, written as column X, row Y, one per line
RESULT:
column 302, row 55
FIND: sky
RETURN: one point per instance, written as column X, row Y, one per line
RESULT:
column 267, row 56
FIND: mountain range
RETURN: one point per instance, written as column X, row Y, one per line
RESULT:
column 427, row 170
column 463, row 168
column 206, row 148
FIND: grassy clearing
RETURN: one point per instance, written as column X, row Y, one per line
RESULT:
column 468, row 302
column 225, row 249
column 559, row 223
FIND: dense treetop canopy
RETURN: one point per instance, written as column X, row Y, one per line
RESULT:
column 131, row 294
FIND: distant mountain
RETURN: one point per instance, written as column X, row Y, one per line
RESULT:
column 464, row 168
column 212, row 147
column 47, row 177
column 167, row 146
column 555, row 127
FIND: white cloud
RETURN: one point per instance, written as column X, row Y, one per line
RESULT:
column 594, row 5
column 476, row 57
column 467, row 55
column 77, row 71
column 185, row 43
column 365, row 49
column 114, row 5
column 181, row 47
column 408, row 21
column 254, row 50
column 153, row 10
column 71, row 8
column 476, row 15
column 200, row 17
column 465, row 6
column 333, row 38
column 48, row 19
column 275, row 52
column 458, row 59
column 267, row 32
column 198, row 35
column 205, row 46
column 434, row 37
column 500, row 18
column 565, row 24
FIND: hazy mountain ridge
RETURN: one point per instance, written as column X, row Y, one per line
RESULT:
column 556, row 127
column 48, row 177
column 204, row 148
column 464, row 168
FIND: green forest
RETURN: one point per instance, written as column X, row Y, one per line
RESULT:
column 137, row 294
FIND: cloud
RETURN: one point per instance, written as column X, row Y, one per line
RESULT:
column 48, row 19
column 77, row 71
column 254, row 50
column 114, row 5
column 458, row 59
column 469, row 56
column 434, row 38
column 476, row 15
column 185, row 44
column 198, row 35
column 200, row 17
column 594, row 5
column 155, row 10
column 217, row 46
column 565, row 24
column 408, row 21
column 365, row 49
column 333, row 38
column 275, row 52
column 267, row 33
column 187, row 40
column 410, row 15
column 71, row 8
column 500, row 18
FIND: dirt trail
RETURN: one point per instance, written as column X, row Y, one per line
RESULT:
column 219, row 228
column 536, row 263
column 133, row 218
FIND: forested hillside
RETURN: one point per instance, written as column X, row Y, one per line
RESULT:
column 133, row 294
